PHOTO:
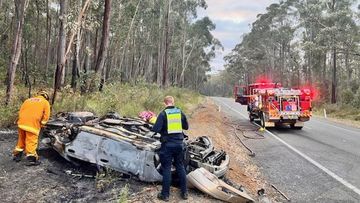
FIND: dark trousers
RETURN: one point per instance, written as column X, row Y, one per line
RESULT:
column 172, row 151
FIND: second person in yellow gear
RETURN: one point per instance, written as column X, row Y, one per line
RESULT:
column 33, row 114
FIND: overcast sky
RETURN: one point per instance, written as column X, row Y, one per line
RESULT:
column 233, row 19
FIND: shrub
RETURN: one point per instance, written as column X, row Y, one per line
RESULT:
column 125, row 99
column 347, row 96
column 356, row 100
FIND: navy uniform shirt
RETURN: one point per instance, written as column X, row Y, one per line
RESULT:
column 160, row 126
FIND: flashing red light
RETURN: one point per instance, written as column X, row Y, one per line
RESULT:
column 263, row 79
column 311, row 91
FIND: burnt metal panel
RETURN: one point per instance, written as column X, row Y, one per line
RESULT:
column 118, row 155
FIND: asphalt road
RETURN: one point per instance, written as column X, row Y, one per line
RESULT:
column 320, row 163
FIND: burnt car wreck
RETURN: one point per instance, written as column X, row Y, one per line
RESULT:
column 129, row 146
column 124, row 144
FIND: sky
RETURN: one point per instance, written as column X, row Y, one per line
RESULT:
column 233, row 19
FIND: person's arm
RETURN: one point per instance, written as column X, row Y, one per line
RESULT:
column 46, row 114
column 184, row 122
column 159, row 123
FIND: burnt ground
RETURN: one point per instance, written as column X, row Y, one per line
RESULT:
column 52, row 182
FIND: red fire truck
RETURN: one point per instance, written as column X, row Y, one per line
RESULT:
column 275, row 105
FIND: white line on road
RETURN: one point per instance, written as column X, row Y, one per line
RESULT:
column 315, row 163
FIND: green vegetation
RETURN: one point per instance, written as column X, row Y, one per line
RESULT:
column 301, row 43
column 124, row 193
column 125, row 99
column 87, row 44
column 342, row 111
column 108, row 179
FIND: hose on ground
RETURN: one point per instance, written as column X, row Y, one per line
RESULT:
column 246, row 147
column 243, row 129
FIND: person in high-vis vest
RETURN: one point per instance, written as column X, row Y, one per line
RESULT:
column 170, row 124
column 33, row 114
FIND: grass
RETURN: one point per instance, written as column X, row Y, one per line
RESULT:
column 107, row 179
column 342, row 113
column 125, row 99
column 124, row 194
column 339, row 111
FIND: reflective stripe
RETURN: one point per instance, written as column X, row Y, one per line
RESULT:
column 43, row 122
column 174, row 124
column 18, row 149
column 29, row 129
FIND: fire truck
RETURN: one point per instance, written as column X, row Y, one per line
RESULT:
column 275, row 105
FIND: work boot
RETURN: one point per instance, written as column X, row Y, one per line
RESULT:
column 185, row 196
column 17, row 157
column 32, row 161
column 161, row 197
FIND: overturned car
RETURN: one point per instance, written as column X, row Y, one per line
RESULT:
column 124, row 144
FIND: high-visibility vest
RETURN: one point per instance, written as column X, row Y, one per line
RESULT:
column 174, row 124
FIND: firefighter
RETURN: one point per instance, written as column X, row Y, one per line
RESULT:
column 33, row 114
column 170, row 124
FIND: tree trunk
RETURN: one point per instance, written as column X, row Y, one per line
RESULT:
column 333, row 81
column 95, row 51
column 87, row 61
column 167, row 44
column 20, row 8
column 185, row 64
column 61, row 47
column 128, row 37
column 99, row 66
column 75, row 70
column 26, row 69
column 48, row 35
column 348, row 69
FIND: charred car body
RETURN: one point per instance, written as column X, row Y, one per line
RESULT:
column 124, row 144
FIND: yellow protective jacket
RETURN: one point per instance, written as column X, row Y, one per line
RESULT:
column 33, row 113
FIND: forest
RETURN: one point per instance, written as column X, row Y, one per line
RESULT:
column 300, row 43
column 84, row 45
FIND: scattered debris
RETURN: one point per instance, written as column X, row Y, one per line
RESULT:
column 148, row 116
column 80, row 175
column 210, row 184
column 202, row 154
column 7, row 131
column 262, row 196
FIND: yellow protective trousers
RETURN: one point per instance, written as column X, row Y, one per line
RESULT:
column 27, row 141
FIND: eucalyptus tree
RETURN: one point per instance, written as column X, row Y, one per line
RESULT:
column 20, row 9
column 71, row 43
column 300, row 42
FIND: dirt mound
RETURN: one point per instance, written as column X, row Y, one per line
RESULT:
column 207, row 120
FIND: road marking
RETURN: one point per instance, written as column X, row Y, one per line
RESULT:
column 315, row 163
